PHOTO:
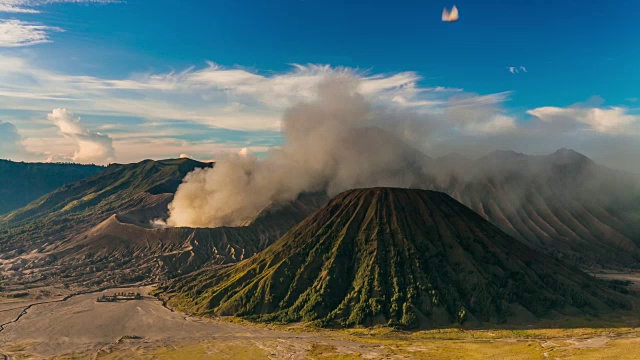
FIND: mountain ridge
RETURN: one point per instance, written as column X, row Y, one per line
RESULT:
column 101, row 229
column 23, row 182
column 390, row 256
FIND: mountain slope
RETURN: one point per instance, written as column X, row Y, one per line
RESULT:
column 394, row 256
column 99, row 231
column 79, row 206
column 21, row 183
column 563, row 203
column 117, row 251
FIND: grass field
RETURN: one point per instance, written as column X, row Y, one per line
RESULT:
column 604, row 343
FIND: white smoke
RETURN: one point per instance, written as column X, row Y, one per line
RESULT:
column 91, row 147
column 332, row 144
column 338, row 140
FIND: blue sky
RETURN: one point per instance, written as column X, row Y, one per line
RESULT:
column 137, row 72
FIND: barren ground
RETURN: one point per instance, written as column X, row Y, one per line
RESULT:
column 81, row 328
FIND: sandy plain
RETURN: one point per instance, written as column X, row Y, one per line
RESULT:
column 79, row 327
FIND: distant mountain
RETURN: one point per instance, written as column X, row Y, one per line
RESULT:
column 563, row 202
column 118, row 251
column 119, row 188
column 100, row 230
column 405, row 257
column 22, row 182
column 141, row 191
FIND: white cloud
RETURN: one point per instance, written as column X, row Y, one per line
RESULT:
column 235, row 99
column 16, row 33
column 495, row 124
column 91, row 147
column 7, row 6
column 159, row 115
column 614, row 120
column 400, row 100
column 29, row 6
column 10, row 141
column 136, row 148
column 474, row 100
column 516, row 69
column 215, row 96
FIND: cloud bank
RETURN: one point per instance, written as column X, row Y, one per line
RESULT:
column 216, row 110
column 91, row 147
column 231, row 98
column 614, row 120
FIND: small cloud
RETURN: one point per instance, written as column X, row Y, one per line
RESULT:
column 633, row 99
column 10, row 8
column 516, row 69
column 91, row 147
column 29, row 6
column 496, row 124
column 613, row 120
column 184, row 156
column 450, row 16
column 10, row 141
column 16, row 33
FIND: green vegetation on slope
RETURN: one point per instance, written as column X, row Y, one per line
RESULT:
column 412, row 258
column 84, row 204
column 21, row 183
column 98, row 231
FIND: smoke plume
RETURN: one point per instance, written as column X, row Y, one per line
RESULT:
column 333, row 143
column 340, row 140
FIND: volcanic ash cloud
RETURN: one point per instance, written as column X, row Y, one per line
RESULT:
column 332, row 144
